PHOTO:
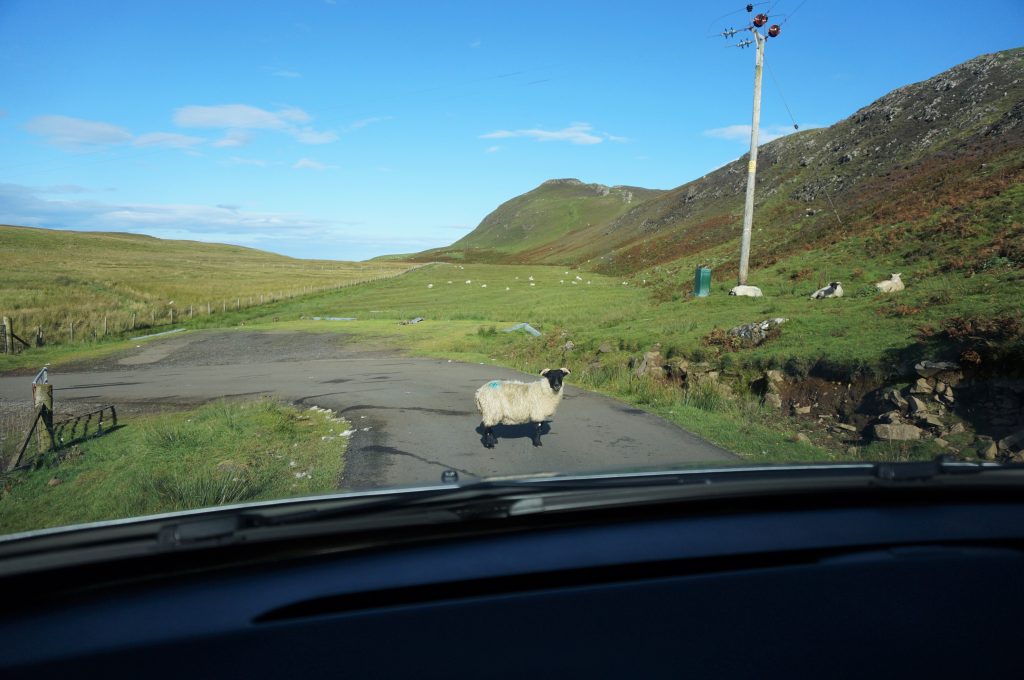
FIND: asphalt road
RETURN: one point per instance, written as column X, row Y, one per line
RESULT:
column 414, row 418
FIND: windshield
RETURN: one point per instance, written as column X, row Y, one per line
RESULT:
column 258, row 251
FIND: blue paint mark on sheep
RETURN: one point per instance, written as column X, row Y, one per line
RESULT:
column 495, row 384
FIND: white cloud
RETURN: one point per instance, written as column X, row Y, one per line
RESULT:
column 576, row 133
column 310, row 164
column 237, row 117
column 171, row 140
column 363, row 122
column 765, row 134
column 310, row 136
column 77, row 134
column 234, row 138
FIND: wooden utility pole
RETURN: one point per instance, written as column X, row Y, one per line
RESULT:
column 748, row 208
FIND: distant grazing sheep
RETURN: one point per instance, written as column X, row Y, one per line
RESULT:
column 832, row 290
column 512, row 402
column 746, row 291
column 891, row 285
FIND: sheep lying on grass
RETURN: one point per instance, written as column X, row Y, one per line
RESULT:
column 512, row 402
column 891, row 285
column 746, row 291
column 832, row 290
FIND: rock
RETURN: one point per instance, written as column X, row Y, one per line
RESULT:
column 847, row 427
column 940, row 386
column 930, row 420
column 927, row 369
column 651, row 364
column 773, row 400
column 774, row 377
column 896, row 432
column 890, row 417
column 800, row 437
column 957, row 428
column 987, row 450
column 605, row 348
column 922, row 386
column 801, row 410
column 757, row 332
column 56, row 481
column 942, row 443
column 852, row 450
column 1013, row 443
column 896, row 399
column 569, row 346
column 916, row 405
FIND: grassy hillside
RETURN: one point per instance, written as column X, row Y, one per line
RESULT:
column 929, row 162
column 52, row 278
column 529, row 228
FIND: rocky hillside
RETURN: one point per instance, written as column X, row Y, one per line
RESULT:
column 943, row 149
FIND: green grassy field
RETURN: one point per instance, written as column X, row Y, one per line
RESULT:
column 221, row 453
column 100, row 281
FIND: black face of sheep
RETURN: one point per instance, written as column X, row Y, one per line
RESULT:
column 554, row 377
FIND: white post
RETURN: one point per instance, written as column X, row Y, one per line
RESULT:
column 748, row 208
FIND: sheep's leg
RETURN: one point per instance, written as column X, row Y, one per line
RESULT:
column 536, row 433
column 489, row 439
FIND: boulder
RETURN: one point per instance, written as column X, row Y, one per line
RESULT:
column 605, row 348
column 896, row 432
column 801, row 437
column 987, row 450
column 753, row 334
column 930, row 420
column 922, row 386
column 896, row 399
column 652, row 364
column 774, row 377
column 916, row 405
column 957, row 428
column 846, row 426
column 801, row 410
column 773, row 400
column 927, row 369
column 1012, row 443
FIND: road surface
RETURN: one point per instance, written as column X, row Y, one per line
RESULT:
column 414, row 418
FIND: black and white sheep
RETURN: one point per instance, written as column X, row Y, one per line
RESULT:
column 513, row 402
column 893, row 284
column 832, row 290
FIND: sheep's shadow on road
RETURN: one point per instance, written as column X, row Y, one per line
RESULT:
column 513, row 431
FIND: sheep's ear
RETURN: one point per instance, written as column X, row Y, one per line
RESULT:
column 544, row 372
column 565, row 370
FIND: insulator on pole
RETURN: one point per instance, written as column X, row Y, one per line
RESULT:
column 760, row 20
column 774, row 30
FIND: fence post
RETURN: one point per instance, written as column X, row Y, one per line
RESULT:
column 208, row 309
column 42, row 396
column 223, row 306
column 133, row 321
column 172, row 316
column 190, row 311
column 72, row 331
column 8, row 336
column 104, row 324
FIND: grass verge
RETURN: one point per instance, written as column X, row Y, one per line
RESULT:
column 220, row 453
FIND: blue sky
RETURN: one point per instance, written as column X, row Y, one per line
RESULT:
column 346, row 130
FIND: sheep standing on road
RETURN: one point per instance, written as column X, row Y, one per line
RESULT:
column 893, row 284
column 832, row 290
column 512, row 402
column 746, row 291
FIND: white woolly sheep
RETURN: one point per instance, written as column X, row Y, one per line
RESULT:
column 891, row 285
column 746, row 291
column 513, row 402
column 832, row 290
column 430, row 285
